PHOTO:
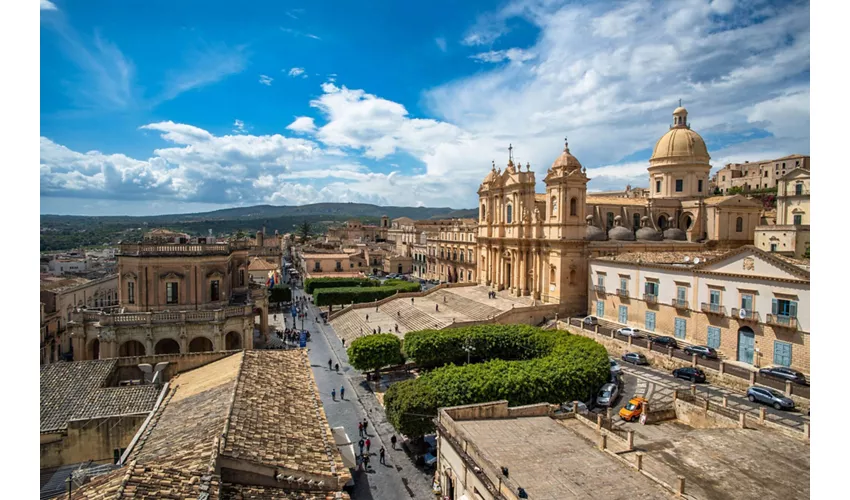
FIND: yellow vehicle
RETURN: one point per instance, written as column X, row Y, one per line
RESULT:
column 633, row 409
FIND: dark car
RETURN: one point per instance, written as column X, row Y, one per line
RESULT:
column 770, row 397
column 635, row 358
column 665, row 341
column 702, row 351
column 783, row 373
column 690, row 373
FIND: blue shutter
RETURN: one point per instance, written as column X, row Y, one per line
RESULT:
column 781, row 353
column 775, row 307
column 680, row 328
column 650, row 321
column 600, row 309
column 713, row 337
column 792, row 309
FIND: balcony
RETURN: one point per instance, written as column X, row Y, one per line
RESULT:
column 680, row 304
column 713, row 309
column 623, row 294
column 745, row 315
column 782, row 321
column 600, row 289
column 650, row 298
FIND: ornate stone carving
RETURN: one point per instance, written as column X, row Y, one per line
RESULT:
column 215, row 273
column 130, row 276
column 749, row 264
column 171, row 275
column 535, row 216
column 106, row 335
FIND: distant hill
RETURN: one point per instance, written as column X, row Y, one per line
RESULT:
column 63, row 232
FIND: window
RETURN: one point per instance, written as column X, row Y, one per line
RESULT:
column 662, row 222
column 624, row 284
column 469, row 256
column 317, row 266
column 699, row 185
column 723, row 178
column 351, row 265
column 600, row 309
column 554, row 206
column 739, row 225
column 609, row 220
column 241, row 277
column 510, row 217
column 783, row 164
column 600, row 280
column 765, row 173
column 214, row 293
column 461, row 255
column 798, row 219
column 679, row 185
column 783, row 307
column 649, row 322
column 798, row 189
column 573, row 206
column 469, row 275
column 657, row 186
column 681, row 293
column 713, row 337
column 781, row 353
column 773, row 247
column 651, row 288
column 171, row 292
column 747, row 302
column 483, row 212
column 714, row 297
column 131, row 292
column 623, row 314
column 680, row 328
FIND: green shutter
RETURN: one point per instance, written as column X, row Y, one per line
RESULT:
column 775, row 307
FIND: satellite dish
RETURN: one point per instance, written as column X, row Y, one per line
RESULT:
column 696, row 260
column 687, row 259
column 743, row 313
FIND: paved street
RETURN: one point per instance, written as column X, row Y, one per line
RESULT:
column 399, row 479
column 657, row 386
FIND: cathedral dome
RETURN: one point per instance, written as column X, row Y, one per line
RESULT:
column 646, row 233
column 491, row 176
column 566, row 161
column 680, row 144
column 593, row 233
column 676, row 234
column 618, row 232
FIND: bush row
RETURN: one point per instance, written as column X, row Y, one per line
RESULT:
column 345, row 296
column 432, row 348
column 316, row 283
column 561, row 367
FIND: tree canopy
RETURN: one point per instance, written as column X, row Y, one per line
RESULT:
column 373, row 352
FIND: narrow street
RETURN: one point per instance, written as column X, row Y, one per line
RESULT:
column 400, row 478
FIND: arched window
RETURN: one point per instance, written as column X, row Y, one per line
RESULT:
column 572, row 276
column 573, row 206
column 510, row 214
column 554, row 206
column 609, row 220
column 739, row 225
column 483, row 212
column 461, row 255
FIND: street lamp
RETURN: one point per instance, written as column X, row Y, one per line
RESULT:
column 468, row 348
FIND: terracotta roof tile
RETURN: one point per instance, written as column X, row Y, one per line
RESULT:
column 243, row 492
column 613, row 200
column 671, row 258
column 66, row 387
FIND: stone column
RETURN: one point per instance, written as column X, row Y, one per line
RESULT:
column 524, row 272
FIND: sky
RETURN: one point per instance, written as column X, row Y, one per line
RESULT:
column 151, row 107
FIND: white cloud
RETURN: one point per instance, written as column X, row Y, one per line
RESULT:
column 441, row 43
column 314, row 37
column 266, row 80
column 204, row 66
column 48, row 5
column 239, row 127
column 297, row 72
column 495, row 56
column 302, row 124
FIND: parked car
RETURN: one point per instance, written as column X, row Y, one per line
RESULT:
column 633, row 409
column 628, row 331
column 635, row 358
column 591, row 320
column 582, row 408
column 702, row 351
column 770, row 397
column 607, row 395
column 783, row 373
column 615, row 367
column 665, row 341
column 690, row 373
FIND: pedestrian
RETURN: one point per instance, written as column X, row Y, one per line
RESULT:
column 341, row 389
column 365, row 427
column 444, row 299
column 360, row 428
column 329, row 364
column 336, row 367
column 393, row 441
column 366, row 461
column 437, row 306
column 411, row 300
column 367, row 318
column 396, row 327
column 361, row 333
column 383, row 457
column 333, row 394
column 368, row 444
column 361, row 443
column 379, row 328
column 374, row 332
column 376, row 308
column 398, row 313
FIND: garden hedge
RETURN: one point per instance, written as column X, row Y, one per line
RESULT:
column 373, row 352
column 316, row 283
column 345, row 296
column 539, row 366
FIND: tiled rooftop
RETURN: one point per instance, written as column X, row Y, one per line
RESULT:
column 242, row 492
column 672, row 258
column 62, row 284
column 613, row 200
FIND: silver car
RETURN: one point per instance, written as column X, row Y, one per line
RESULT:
column 607, row 395
column 770, row 397
column 615, row 367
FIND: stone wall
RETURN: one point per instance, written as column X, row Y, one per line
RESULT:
column 128, row 367
column 94, row 439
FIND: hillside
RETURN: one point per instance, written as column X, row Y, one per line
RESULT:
column 64, row 232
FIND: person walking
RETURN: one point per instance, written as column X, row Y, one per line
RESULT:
column 437, row 307
column 367, row 318
column 360, row 428
column 330, row 363
column 379, row 328
column 333, row 394
column 383, row 456
column 336, row 367
column 368, row 444
column 365, row 427
column 393, row 441
column 361, row 333
column 341, row 389
column 411, row 300
column 366, row 462
column 398, row 313
column 361, row 443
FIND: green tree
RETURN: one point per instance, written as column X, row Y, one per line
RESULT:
column 304, row 230
column 280, row 293
column 373, row 352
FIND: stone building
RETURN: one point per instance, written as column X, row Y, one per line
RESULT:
column 789, row 235
column 765, row 174
column 752, row 306
column 174, row 298
column 455, row 250
column 353, row 231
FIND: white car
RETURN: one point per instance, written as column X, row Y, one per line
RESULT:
column 628, row 331
column 615, row 367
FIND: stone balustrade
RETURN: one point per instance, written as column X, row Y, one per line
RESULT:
column 147, row 318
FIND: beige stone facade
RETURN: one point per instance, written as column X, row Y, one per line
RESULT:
column 751, row 306
column 353, row 231
column 764, row 174
column 790, row 235
column 455, row 251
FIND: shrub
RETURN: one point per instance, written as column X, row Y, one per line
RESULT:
column 345, row 296
column 280, row 293
column 541, row 366
column 316, row 283
column 373, row 352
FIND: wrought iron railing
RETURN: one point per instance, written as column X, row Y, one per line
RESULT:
column 713, row 309
column 745, row 315
column 680, row 304
column 782, row 320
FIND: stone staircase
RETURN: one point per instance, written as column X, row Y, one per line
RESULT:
column 411, row 318
column 465, row 308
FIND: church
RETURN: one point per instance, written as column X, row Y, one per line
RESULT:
column 538, row 244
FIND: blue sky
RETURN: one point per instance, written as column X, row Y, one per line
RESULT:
column 162, row 107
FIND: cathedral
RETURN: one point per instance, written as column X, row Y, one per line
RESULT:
column 538, row 244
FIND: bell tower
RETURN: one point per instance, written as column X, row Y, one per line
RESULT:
column 566, row 198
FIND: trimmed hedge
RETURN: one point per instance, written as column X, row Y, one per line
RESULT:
column 280, row 293
column 376, row 351
column 541, row 366
column 345, row 296
column 316, row 283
